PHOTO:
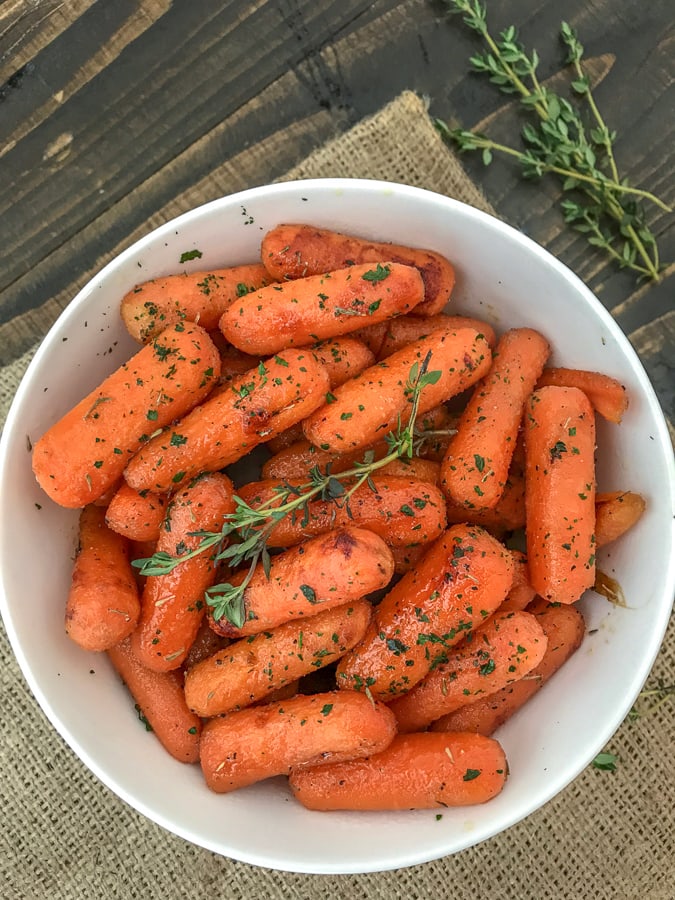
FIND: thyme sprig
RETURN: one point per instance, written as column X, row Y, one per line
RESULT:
column 651, row 699
column 603, row 206
column 252, row 526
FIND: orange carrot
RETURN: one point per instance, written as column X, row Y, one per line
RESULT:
column 205, row 644
column 252, row 744
column 416, row 468
column 250, row 669
column 498, row 653
column 405, row 329
column 233, row 363
column 335, row 568
column 160, row 700
column 285, row 439
column 136, row 516
column 416, row 771
column 614, row 514
column 298, row 313
column 560, row 493
column 102, row 606
column 607, row 395
column 508, row 514
column 200, row 297
column 364, row 409
column 402, row 511
column 172, row 606
column 84, row 453
column 477, row 462
column 407, row 557
column 460, row 582
column 522, row 593
column 436, row 428
column 294, row 251
column 343, row 357
column 564, row 630
column 265, row 401
column 294, row 462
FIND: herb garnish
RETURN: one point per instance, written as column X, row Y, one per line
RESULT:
column 378, row 274
column 606, row 762
column 190, row 254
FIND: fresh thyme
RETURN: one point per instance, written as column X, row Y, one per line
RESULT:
column 651, row 699
column 603, row 206
column 252, row 526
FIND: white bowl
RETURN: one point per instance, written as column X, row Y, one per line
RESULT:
column 503, row 277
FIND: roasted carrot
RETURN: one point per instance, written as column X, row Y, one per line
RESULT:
column 507, row 515
column 560, row 493
column 416, row 468
column 344, row 357
column 607, row 395
column 80, row 457
column 285, row 439
column 614, row 514
column 476, row 465
column 200, row 297
column 102, row 606
column 253, row 667
column 335, row 568
column 233, row 363
column 172, row 605
column 459, row 582
column 522, row 593
column 369, row 406
column 435, row 430
column 205, row 644
column 298, row 313
column 252, row 744
column 402, row 511
column 407, row 557
column 136, row 515
column 294, row 251
column 405, row 329
column 416, row 771
column 265, row 401
column 500, row 652
column 292, row 463
column 564, row 630
column 160, row 699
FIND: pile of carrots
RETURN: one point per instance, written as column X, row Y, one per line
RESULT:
column 363, row 704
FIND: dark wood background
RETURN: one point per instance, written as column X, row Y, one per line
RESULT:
column 112, row 111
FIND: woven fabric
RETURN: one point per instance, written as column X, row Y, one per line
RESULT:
column 66, row 837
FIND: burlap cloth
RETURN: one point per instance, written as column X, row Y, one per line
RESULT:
column 64, row 835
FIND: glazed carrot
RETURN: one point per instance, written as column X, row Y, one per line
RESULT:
column 476, row 465
column 373, row 336
column 416, row 771
column 105, row 498
column 402, row 511
column 252, row 744
column 560, row 493
column 407, row 557
column 459, row 582
column 607, row 395
column 294, row 251
column 507, row 515
column 102, row 606
column 294, row 462
column 370, row 405
column 405, row 329
column 327, row 571
column 160, row 699
column 522, row 593
column 205, row 644
column 265, row 401
column 500, row 652
column 564, row 630
column 344, row 357
column 285, row 439
column 233, row 362
column 84, row 453
column 436, row 428
column 200, row 297
column 136, row 516
column 250, row 669
column 614, row 514
column 416, row 468
column 298, row 313
column 172, row 606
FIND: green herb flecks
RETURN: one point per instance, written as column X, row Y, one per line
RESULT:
column 606, row 762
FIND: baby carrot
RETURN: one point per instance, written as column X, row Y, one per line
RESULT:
column 298, row 313
column 614, row 514
column 607, row 395
column 498, row 653
column 344, row 357
column 522, row 593
column 136, row 516
column 416, row 771
column 507, row 515
column 560, row 493
column 459, row 582
column 232, row 361
column 295, row 251
column 407, row 557
column 172, row 605
column 250, row 669
column 477, row 461
column 268, row 399
column 330, row 570
column 256, row 743
column 80, row 457
column 405, row 329
column 102, row 606
column 564, row 630
column 402, row 511
column 160, row 699
column 200, row 297
column 367, row 407
column 416, row 468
